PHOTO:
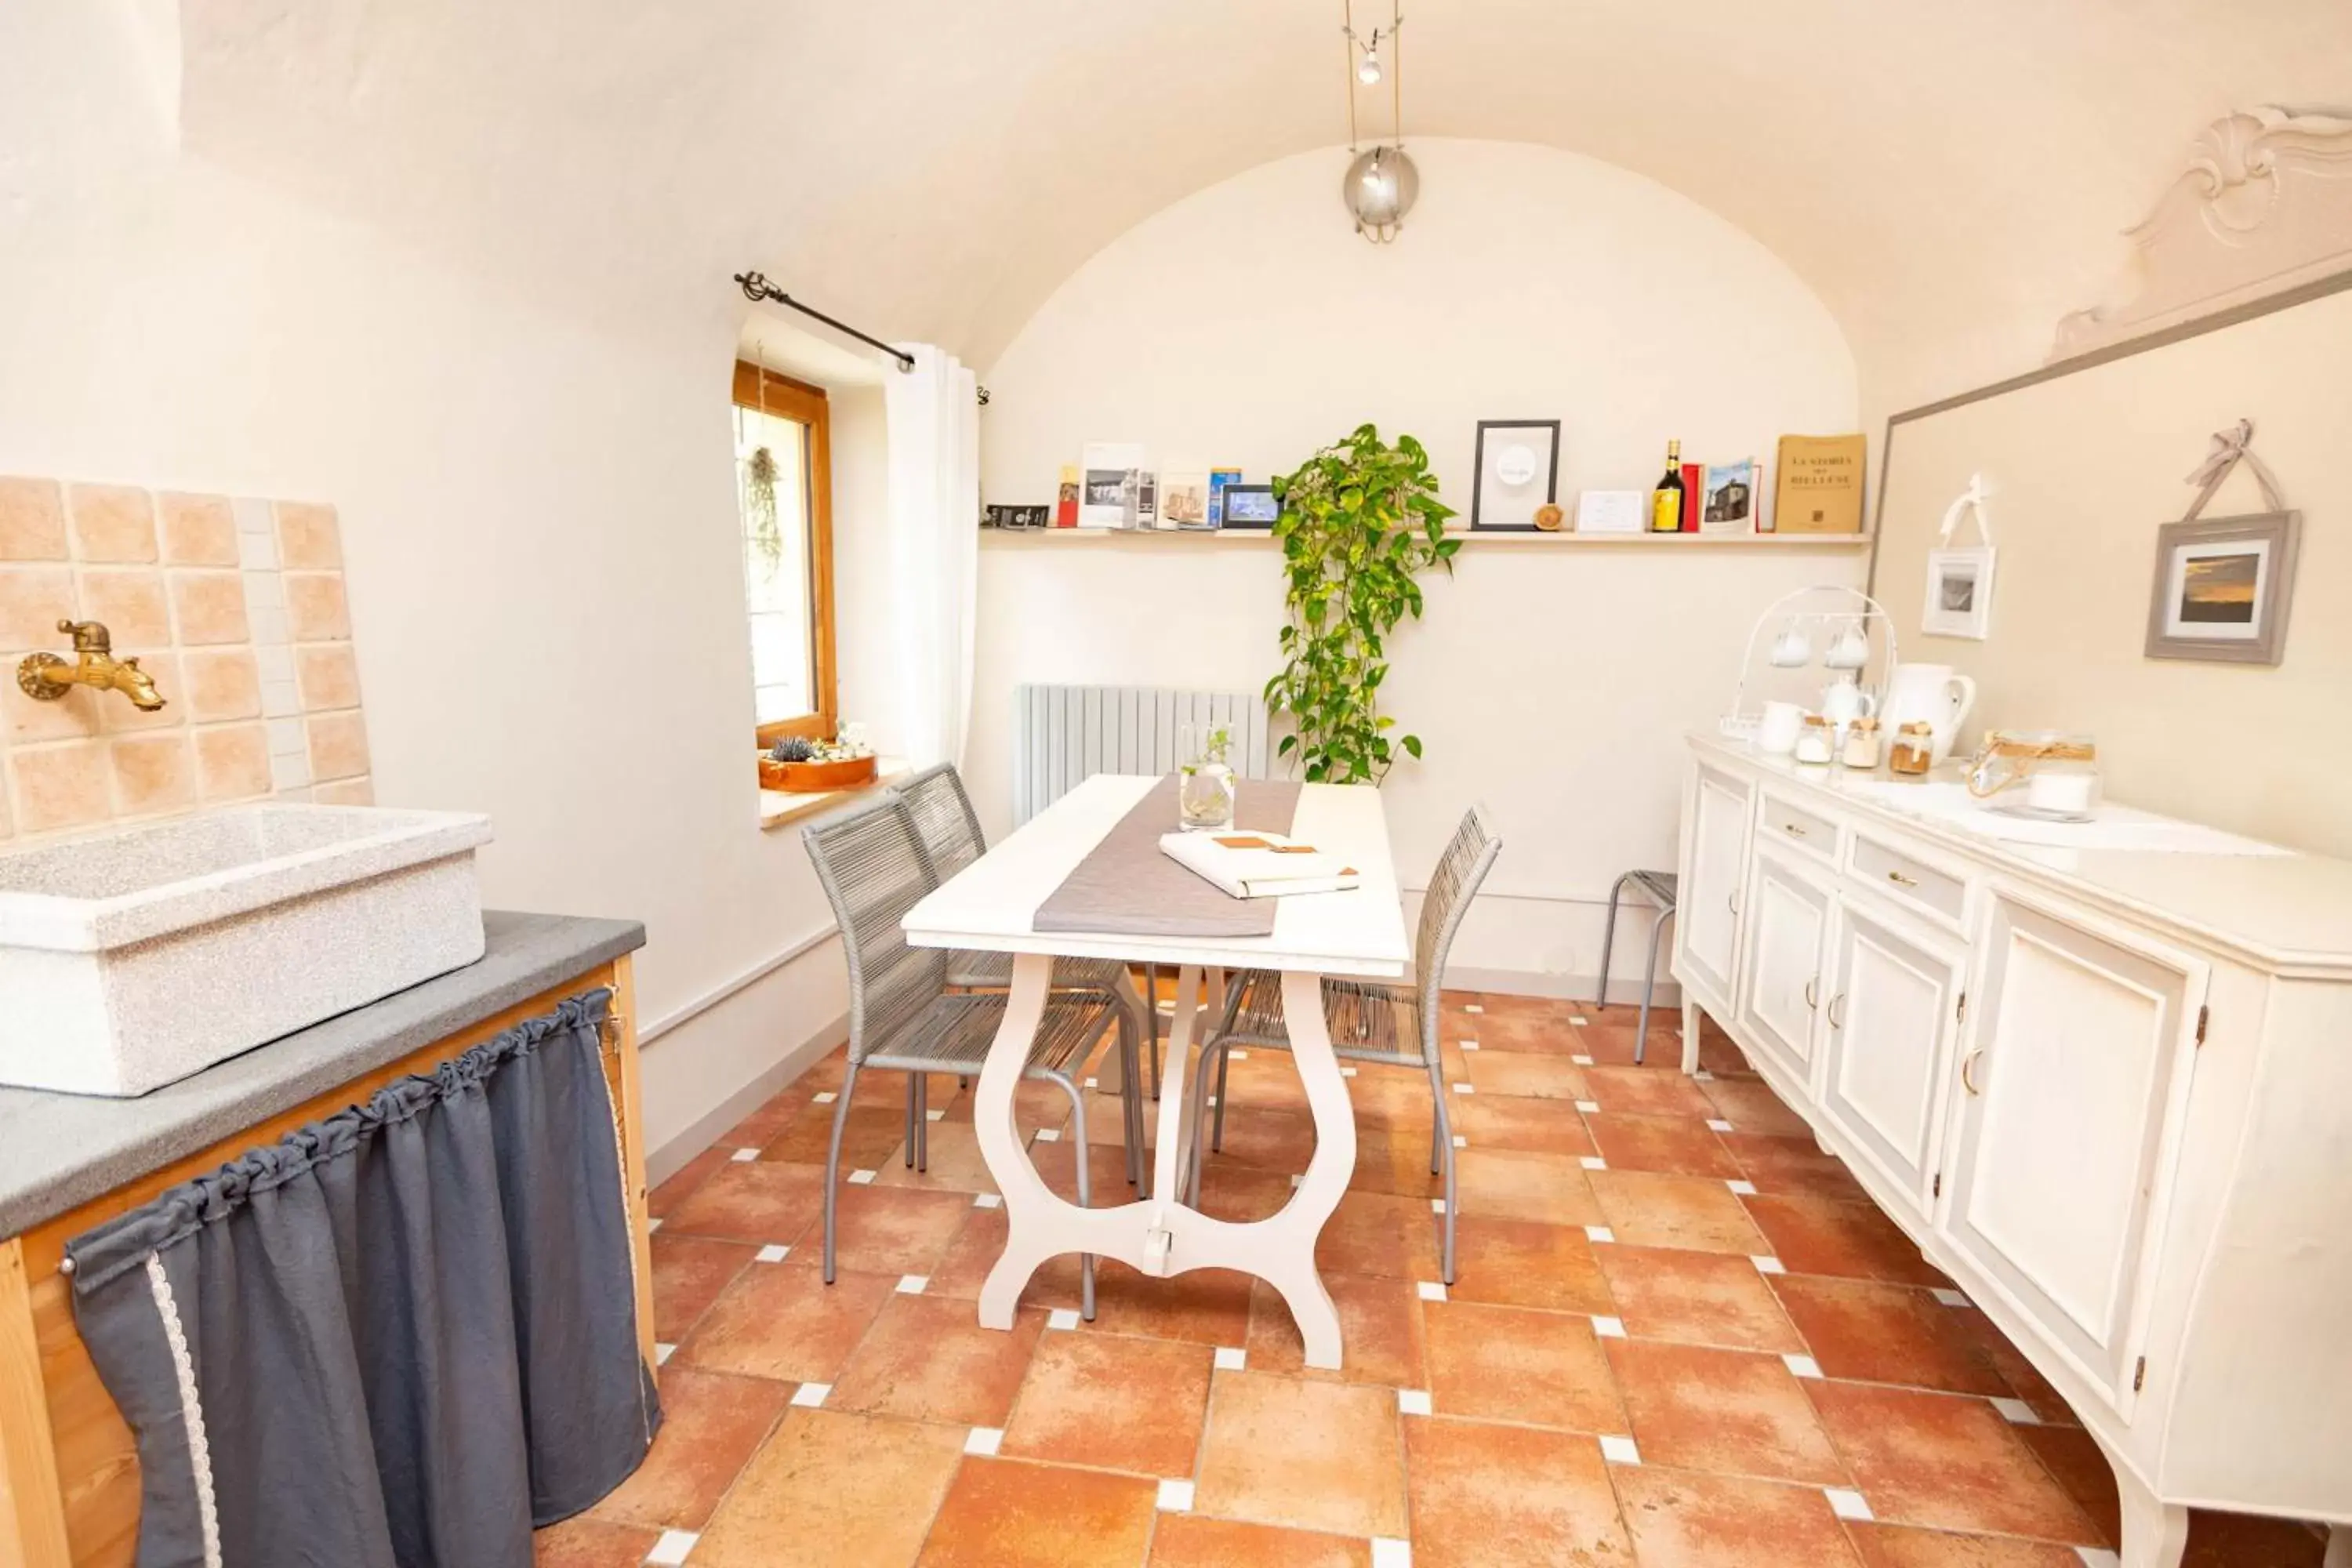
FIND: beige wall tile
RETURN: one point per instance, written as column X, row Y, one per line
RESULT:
column 307, row 537
column 32, row 519
column 115, row 713
column 112, row 522
column 221, row 683
column 69, row 718
column 315, row 610
column 330, row 675
column 197, row 530
column 210, row 606
column 8, row 821
column 233, row 762
column 338, row 746
column 61, row 786
column 345, row 791
column 33, row 600
column 132, row 606
column 152, row 773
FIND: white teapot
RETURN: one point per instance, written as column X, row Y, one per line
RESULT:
column 1932, row 692
column 1843, row 701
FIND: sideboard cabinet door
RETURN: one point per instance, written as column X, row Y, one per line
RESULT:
column 1894, row 992
column 1715, row 858
column 2071, row 1086
column 1781, row 994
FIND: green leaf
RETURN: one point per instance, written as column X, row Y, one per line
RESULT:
column 1413, row 744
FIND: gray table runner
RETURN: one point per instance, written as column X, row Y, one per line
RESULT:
column 1126, row 887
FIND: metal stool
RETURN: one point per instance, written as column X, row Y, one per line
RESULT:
column 1661, row 887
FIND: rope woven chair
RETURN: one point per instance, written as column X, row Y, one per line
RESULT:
column 902, row 1016
column 950, row 830
column 1369, row 1022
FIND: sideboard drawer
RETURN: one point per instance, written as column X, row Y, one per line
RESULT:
column 1779, row 822
column 1908, row 881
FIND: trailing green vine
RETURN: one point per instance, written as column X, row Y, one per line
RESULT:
column 1360, row 520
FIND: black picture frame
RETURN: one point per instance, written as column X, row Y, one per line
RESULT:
column 997, row 514
column 1248, row 495
column 1548, row 430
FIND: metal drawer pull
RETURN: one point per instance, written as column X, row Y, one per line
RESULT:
column 1810, row 1000
column 1795, row 828
column 1837, row 1020
column 1968, row 1066
column 1900, row 880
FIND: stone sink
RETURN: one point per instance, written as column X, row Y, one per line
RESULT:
column 133, row 958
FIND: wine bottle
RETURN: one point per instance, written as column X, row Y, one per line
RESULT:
column 1666, row 500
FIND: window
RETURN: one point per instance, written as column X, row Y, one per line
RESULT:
column 784, row 488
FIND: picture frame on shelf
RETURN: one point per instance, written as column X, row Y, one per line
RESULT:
column 2222, row 588
column 1250, row 507
column 1959, row 594
column 1184, row 500
column 1517, row 468
column 999, row 515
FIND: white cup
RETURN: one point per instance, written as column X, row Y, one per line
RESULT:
column 1776, row 735
column 1850, row 651
column 1792, row 650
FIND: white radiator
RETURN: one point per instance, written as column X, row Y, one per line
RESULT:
column 1064, row 735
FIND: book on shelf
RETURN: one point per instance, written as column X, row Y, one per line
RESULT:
column 1727, row 498
column 1692, row 473
column 1258, row 865
column 1819, row 485
column 1066, row 501
column 1218, row 480
column 1111, row 477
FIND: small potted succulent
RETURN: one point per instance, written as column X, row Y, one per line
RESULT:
column 798, row 765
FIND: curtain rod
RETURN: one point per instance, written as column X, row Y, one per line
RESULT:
column 757, row 288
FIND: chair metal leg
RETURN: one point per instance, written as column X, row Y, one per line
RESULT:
column 1201, row 1125
column 922, row 1122
column 1649, row 986
column 1079, row 1138
column 832, row 1161
column 1217, row 1137
column 1152, row 1020
column 1445, row 1152
column 1129, row 1104
column 1608, row 941
column 907, row 1149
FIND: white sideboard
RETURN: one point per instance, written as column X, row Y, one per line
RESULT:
column 2108, row 1092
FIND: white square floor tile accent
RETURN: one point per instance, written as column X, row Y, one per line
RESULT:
column 1167, row 1007
column 1950, row 1298
column 1719, row 1126
column 1469, row 1045
column 1459, row 1143
column 982, row 1440
column 824, row 1096
column 1592, row 1162
column 2098, row 1557
column 1461, row 1088
column 1590, row 1107
column 671, row 1549
column 861, row 1178
column 1768, row 1266
column 1429, row 1290
column 1295, row 1180
column 943, row 1115
column 1092, row 1084
column 744, row 1156
column 1801, row 1365
column 1238, row 1056
column 1413, row 1402
column 1472, row 1008
column 1175, row 1497
column 1437, row 1205
column 1229, row 1359
column 811, row 1396
column 1847, row 1504
column 1054, row 1134
column 1578, row 1019
column 1620, row 1451
column 1608, row 1328
column 662, row 1354
column 1581, row 1062
column 2017, row 1413
column 1704, row 1076
column 1598, row 1232
column 1213, row 1101
column 1347, row 1072
column 652, row 1225
column 1390, row 1552
column 987, row 1199
column 1744, row 1189
column 1062, row 1318
column 913, row 1284
column 771, row 1253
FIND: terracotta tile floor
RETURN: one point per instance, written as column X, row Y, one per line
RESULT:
column 1611, row 1381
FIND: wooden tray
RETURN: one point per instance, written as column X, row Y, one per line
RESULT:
column 815, row 778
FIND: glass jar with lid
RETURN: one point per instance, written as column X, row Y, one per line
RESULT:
column 1861, row 748
column 1816, row 742
column 1913, row 751
column 2047, row 773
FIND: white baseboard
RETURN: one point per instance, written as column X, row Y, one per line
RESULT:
column 1565, row 987
column 667, row 1161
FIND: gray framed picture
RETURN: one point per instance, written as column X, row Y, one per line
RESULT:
column 2222, row 588
column 1517, row 466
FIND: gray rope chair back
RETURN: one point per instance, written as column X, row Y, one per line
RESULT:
column 874, row 868
column 1469, row 856
column 944, row 816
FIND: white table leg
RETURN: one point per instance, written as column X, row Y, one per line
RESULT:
column 1028, row 1201
column 2339, row 1547
column 1283, row 1248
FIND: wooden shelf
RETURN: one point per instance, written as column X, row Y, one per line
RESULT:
column 1244, row 537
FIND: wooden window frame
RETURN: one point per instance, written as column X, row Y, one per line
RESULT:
column 766, row 392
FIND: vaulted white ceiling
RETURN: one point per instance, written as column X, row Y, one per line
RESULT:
column 1950, row 177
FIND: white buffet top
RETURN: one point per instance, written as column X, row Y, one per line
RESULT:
column 2286, row 910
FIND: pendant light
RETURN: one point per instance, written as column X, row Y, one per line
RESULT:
column 1380, row 181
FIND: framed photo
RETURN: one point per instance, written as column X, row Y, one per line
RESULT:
column 2222, row 588
column 1518, row 465
column 1184, row 500
column 1002, row 516
column 1959, row 594
column 1251, row 506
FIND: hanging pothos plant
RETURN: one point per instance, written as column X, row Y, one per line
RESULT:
column 759, row 506
column 1360, row 519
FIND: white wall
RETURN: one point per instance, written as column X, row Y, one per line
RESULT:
column 536, row 504
column 1247, row 324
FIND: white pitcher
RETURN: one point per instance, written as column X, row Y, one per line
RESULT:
column 1932, row 692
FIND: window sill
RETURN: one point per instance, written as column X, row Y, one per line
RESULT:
column 777, row 809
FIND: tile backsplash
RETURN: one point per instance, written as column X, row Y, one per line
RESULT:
column 235, row 606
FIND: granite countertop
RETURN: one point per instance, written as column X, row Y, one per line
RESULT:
column 58, row 1151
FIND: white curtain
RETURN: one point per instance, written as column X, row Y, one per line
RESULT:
column 933, row 414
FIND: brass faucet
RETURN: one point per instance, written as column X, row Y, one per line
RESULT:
column 46, row 678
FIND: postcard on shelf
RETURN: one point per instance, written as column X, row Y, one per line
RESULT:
column 1185, row 500
column 1112, row 476
column 1727, row 498
column 1612, row 512
column 1820, row 488
column 1218, row 480
column 1258, row 865
column 1066, row 505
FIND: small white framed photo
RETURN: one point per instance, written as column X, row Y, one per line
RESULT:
column 1959, row 594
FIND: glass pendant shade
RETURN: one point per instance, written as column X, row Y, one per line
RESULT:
column 1379, row 188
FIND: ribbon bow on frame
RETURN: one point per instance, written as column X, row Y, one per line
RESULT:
column 2232, row 446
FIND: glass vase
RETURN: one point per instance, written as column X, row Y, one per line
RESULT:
column 1204, row 782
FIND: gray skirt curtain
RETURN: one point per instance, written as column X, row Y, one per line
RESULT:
column 398, row 1338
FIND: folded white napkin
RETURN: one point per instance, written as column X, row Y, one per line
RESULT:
column 1258, row 865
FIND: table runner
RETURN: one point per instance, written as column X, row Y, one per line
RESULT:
column 1126, row 887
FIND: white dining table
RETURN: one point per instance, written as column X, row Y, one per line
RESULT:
column 991, row 905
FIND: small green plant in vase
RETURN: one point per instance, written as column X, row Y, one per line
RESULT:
column 1361, row 521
